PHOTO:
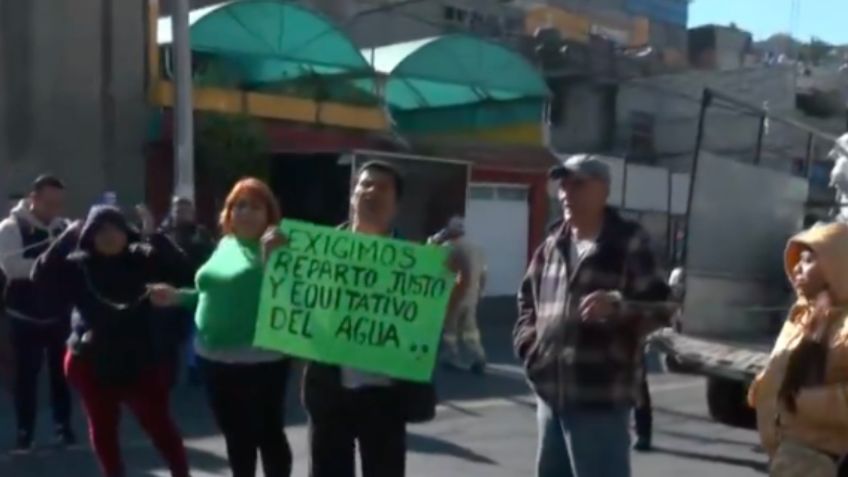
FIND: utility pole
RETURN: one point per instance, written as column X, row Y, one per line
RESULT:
column 183, row 104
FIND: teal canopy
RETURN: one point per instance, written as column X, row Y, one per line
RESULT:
column 454, row 70
column 445, row 83
column 274, row 46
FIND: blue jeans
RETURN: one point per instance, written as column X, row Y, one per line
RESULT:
column 582, row 442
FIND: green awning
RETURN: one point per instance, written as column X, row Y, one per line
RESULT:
column 274, row 46
column 456, row 83
column 454, row 70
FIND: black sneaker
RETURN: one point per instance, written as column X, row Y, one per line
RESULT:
column 23, row 444
column 65, row 436
column 643, row 444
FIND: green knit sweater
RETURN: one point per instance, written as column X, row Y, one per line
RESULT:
column 226, row 297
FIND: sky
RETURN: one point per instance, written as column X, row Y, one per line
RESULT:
column 826, row 19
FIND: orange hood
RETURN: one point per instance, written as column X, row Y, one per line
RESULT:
column 830, row 244
column 821, row 420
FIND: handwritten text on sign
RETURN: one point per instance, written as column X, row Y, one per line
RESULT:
column 361, row 301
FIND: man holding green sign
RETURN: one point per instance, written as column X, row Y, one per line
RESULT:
column 372, row 303
column 367, row 310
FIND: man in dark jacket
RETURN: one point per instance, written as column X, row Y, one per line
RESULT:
column 37, row 328
column 347, row 407
column 182, row 228
column 591, row 294
column 197, row 243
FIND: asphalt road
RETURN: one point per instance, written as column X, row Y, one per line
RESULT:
column 485, row 427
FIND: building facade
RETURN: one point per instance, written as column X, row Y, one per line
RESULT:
column 657, row 117
column 72, row 96
column 720, row 47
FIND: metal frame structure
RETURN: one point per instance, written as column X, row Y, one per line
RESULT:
column 712, row 97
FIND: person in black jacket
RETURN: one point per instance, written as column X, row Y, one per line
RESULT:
column 181, row 226
column 198, row 243
column 348, row 408
column 112, row 357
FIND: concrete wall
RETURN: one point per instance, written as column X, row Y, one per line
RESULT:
column 670, row 36
column 411, row 22
column 60, row 111
column 585, row 119
column 583, row 5
column 425, row 19
column 674, row 100
column 616, row 12
column 732, row 46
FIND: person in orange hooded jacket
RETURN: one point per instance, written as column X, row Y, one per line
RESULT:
column 801, row 397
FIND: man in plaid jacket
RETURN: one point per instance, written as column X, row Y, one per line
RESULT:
column 591, row 294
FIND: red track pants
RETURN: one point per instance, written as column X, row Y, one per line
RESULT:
column 147, row 398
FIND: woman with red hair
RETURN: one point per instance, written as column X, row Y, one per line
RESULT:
column 245, row 385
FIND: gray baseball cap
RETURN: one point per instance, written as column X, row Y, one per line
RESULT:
column 584, row 165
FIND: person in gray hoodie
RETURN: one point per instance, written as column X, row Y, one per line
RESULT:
column 461, row 328
column 37, row 328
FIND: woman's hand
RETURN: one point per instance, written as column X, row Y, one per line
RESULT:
column 272, row 239
column 163, row 295
column 600, row 305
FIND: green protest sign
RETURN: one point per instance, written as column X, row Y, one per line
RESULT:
column 361, row 301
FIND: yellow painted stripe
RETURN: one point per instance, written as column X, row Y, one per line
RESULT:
column 529, row 134
column 276, row 107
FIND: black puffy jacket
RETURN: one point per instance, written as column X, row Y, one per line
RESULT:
column 115, row 331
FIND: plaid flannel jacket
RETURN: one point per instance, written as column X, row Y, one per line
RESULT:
column 574, row 363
